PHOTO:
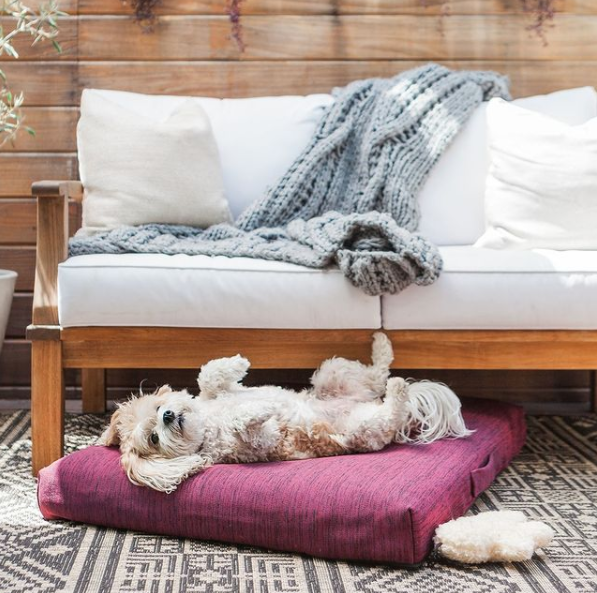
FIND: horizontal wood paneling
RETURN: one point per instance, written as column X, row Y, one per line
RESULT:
column 19, row 171
column 229, row 79
column 15, row 363
column 22, row 261
column 293, row 47
column 44, row 83
column 460, row 37
column 221, row 79
column 18, row 220
column 44, row 50
column 332, row 7
column 69, row 6
column 55, row 130
column 20, row 315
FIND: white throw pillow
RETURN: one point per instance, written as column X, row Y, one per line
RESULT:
column 541, row 189
column 451, row 200
column 138, row 169
column 258, row 138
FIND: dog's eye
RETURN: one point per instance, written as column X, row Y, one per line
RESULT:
column 155, row 439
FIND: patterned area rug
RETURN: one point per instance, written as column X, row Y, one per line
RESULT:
column 554, row 479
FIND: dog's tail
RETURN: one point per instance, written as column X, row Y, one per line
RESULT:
column 432, row 413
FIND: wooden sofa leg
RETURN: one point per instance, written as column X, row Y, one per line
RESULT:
column 93, row 390
column 47, row 403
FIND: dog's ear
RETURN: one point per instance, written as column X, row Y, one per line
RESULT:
column 163, row 390
column 160, row 473
column 110, row 436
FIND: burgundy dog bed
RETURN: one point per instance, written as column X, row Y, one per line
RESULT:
column 375, row 507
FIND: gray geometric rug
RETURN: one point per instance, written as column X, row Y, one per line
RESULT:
column 554, row 479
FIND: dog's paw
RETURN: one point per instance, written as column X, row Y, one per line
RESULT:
column 219, row 375
column 397, row 388
column 239, row 366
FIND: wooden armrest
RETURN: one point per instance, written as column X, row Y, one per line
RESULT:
column 50, row 189
column 52, row 244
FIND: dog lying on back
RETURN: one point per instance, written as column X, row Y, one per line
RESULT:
column 350, row 408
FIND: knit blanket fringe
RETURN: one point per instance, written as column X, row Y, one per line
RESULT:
column 350, row 199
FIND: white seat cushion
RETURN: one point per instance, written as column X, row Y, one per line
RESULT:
column 490, row 289
column 200, row 291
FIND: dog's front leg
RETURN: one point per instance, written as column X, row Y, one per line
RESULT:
column 221, row 375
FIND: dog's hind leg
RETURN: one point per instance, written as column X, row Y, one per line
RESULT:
column 221, row 375
column 339, row 377
column 371, row 427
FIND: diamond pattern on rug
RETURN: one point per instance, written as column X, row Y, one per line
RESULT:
column 554, row 479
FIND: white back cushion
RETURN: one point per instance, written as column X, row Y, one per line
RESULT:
column 139, row 170
column 542, row 181
column 257, row 138
column 452, row 204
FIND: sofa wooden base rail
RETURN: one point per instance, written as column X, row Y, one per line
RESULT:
column 94, row 349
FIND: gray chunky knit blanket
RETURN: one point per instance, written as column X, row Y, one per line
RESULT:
column 350, row 199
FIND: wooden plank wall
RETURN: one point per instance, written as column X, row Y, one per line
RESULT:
column 292, row 46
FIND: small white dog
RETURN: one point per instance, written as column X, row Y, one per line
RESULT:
column 350, row 408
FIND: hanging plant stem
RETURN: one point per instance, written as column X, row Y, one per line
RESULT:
column 543, row 12
column 38, row 23
column 234, row 14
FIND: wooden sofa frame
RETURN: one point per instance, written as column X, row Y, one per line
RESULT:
column 95, row 349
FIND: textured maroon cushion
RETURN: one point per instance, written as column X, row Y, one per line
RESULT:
column 381, row 507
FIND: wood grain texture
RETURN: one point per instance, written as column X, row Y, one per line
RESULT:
column 15, row 363
column 18, row 220
column 221, row 79
column 47, row 404
column 14, row 367
column 19, row 171
column 546, row 386
column 20, row 315
column 44, row 83
column 44, row 50
column 68, row 6
column 190, row 348
column 293, row 47
column 55, row 131
column 538, row 391
column 51, row 249
column 22, row 261
column 335, row 7
column 93, row 390
column 364, row 37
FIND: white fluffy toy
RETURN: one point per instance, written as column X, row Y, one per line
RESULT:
column 494, row 536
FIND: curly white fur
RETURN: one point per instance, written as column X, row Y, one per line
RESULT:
column 351, row 407
column 494, row 536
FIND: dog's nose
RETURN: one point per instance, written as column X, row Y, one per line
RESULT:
column 168, row 416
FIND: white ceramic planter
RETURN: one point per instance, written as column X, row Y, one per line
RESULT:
column 7, row 287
